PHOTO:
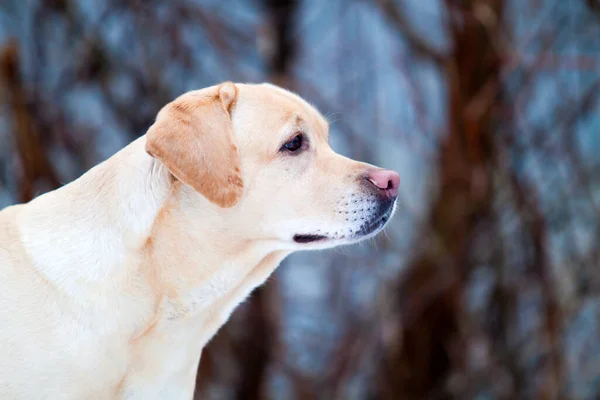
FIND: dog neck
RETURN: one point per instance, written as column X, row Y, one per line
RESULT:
column 199, row 257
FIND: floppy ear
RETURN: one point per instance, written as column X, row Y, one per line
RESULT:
column 193, row 138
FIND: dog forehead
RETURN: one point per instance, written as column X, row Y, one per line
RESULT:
column 272, row 105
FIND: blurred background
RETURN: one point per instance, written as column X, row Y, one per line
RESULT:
column 486, row 285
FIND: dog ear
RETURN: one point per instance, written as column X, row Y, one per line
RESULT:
column 193, row 138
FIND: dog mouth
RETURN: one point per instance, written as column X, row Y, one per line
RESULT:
column 368, row 228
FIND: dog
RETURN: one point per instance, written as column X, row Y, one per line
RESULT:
column 111, row 285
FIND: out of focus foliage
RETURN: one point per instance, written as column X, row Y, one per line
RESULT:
column 486, row 284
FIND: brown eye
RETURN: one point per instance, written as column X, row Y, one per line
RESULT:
column 295, row 144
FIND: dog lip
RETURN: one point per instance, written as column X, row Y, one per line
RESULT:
column 378, row 222
column 308, row 238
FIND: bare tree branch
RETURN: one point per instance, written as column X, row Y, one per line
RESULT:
column 396, row 16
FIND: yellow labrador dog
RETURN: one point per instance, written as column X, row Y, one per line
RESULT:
column 111, row 285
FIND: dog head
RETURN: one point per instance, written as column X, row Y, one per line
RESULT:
column 260, row 156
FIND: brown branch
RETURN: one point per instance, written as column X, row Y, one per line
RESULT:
column 401, row 22
column 33, row 157
column 533, row 218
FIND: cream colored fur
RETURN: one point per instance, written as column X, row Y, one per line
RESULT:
column 111, row 285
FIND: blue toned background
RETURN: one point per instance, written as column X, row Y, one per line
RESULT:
column 486, row 283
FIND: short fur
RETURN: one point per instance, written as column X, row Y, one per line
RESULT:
column 111, row 285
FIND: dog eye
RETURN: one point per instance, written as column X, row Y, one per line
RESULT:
column 295, row 144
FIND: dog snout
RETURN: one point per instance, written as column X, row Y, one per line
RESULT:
column 385, row 181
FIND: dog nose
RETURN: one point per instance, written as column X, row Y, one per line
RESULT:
column 385, row 180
